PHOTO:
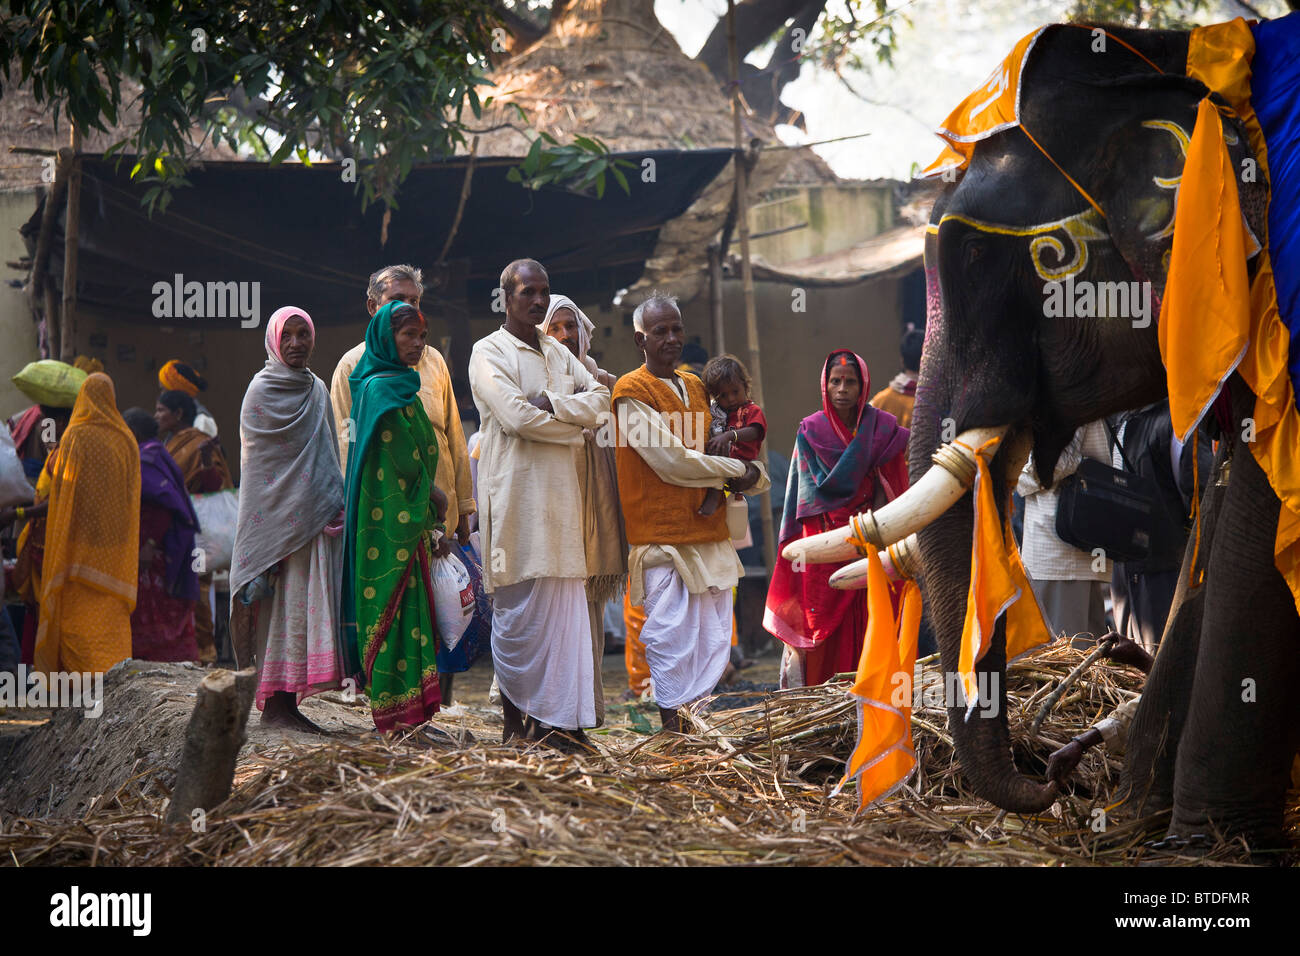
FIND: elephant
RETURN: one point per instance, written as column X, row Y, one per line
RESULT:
column 1017, row 224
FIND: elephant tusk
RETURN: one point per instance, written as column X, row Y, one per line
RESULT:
column 937, row 491
column 898, row 560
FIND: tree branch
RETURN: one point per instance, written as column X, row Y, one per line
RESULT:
column 756, row 20
column 523, row 31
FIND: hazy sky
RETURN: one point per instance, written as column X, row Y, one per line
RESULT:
column 948, row 48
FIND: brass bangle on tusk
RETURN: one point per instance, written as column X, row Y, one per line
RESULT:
column 862, row 534
column 955, row 463
column 903, row 560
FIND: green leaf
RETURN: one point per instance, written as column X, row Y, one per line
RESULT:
column 620, row 178
column 532, row 160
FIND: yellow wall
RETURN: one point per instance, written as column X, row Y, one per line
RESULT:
column 837, row 216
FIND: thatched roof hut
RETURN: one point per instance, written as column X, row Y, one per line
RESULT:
column 26, row 123
column 608, row 69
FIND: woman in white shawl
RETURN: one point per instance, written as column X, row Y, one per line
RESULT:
column 288, row 551
column 602, row 516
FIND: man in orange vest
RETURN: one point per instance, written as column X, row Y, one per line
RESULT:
column 682, row 564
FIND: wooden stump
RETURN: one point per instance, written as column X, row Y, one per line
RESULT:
column 212, row 741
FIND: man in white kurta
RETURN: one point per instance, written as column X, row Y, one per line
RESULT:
column 682, row 565
column 535, row 399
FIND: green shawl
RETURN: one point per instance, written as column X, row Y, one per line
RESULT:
column 390, row 634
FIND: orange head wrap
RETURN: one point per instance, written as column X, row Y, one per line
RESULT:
column 178, row 376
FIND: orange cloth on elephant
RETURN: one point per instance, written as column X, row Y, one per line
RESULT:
column 883, row 756
column 189, row 446
column 990, row 109
column 1213, row 317
column 92, row 542
column 998, row 583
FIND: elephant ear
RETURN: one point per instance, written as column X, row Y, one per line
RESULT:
column 1141, row 167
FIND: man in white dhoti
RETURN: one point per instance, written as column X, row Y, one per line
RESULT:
column 535, row 398
column 682, row 564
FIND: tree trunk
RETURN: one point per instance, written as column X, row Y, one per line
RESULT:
column 212, row 742
column 71, row 236
column 756, row 22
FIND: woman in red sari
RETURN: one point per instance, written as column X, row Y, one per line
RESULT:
column 848, row 457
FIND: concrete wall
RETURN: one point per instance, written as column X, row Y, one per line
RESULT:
column 17, row 330
column 866, row 318
column 837, row 216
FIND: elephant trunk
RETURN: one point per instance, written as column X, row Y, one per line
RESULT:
column 982, row 740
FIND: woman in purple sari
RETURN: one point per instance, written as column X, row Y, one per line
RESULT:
column 162, row 624
column 847, row 457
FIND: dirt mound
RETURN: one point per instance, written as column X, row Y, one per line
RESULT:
column 70, row 763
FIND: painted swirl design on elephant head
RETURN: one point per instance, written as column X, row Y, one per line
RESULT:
column 1057, row 249
column 1169, row 182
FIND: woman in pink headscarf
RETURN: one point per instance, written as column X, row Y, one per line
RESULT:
column 288, row 551
column 847, row 457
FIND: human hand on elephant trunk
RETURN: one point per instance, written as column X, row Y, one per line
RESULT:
column 1062, row 763
column 1124, row 651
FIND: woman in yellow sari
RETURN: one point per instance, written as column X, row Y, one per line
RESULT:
column 92, row 541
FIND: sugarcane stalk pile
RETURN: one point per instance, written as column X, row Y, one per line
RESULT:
column 751, row 785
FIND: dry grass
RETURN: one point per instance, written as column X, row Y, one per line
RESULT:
column 748, row 786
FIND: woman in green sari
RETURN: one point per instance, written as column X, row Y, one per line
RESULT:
column 393, row 509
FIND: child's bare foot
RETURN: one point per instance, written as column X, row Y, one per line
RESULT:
column 712, row 499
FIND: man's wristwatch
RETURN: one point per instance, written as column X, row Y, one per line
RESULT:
column 735, row 436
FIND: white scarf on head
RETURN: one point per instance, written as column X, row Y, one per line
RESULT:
column 585, row 327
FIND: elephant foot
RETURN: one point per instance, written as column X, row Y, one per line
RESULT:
column 1144, row 799
column 1198, row 831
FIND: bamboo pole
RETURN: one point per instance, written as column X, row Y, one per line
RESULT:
column 746, row 272
column 68, row 320
column 715, row 298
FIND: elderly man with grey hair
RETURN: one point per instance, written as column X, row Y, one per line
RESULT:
column 682, row 564
column 404, row 283
column 535, row 399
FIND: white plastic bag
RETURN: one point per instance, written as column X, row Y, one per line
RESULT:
column 14, row 486
column 218, row 514
column 453, row 598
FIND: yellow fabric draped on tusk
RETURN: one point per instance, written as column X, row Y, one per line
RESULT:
column 883, row 757
column 998, row 583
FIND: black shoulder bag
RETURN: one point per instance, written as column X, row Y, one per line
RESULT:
column 1102, row 507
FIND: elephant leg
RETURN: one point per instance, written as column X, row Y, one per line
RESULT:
column 1147, row 781
column 1243, row 723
